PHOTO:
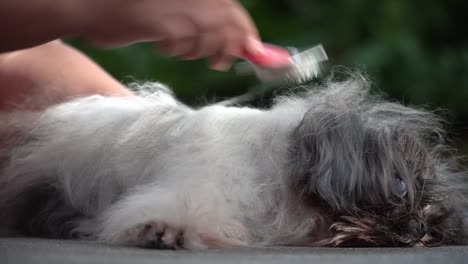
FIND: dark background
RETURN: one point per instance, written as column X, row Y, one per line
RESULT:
column 415, row 51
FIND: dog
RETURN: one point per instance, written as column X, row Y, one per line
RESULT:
column 333, row 166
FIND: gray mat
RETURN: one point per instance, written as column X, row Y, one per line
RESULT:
column 19, row 250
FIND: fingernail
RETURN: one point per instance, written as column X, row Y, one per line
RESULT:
column 190, row 56
column 221, row 66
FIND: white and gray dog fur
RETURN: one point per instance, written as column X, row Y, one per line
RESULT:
column 334, row 166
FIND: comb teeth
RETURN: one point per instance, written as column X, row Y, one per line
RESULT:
column 304, row 67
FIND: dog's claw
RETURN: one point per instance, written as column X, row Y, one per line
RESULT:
column 156, row 235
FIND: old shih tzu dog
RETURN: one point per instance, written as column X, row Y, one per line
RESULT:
column 335, row 166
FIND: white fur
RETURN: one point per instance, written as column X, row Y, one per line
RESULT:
column 214, row 172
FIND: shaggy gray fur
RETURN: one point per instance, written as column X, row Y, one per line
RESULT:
column 332, row 167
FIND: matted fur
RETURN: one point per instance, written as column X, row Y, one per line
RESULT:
column 318, row 169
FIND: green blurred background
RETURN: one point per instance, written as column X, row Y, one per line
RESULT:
column 414, row 50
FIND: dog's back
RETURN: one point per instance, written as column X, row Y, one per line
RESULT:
column 34, row 200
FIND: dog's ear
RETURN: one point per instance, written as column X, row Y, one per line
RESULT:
column 344, row 149
column 347, row 163
column 335, row 158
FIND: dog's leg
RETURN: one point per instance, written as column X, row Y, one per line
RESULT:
column 169, row 219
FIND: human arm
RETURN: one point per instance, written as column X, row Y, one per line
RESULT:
column 51, row 73
column 214, row 29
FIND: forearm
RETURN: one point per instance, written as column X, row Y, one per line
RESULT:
column 51, row 73
column 26, row 23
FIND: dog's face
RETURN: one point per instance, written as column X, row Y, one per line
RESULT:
column 372, row 167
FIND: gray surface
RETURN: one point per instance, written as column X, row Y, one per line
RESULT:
column 57, row 251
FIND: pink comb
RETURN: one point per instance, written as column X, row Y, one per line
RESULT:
column 272, row 56
column 277, row 64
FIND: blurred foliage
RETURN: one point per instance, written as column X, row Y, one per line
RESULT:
column 416, row 51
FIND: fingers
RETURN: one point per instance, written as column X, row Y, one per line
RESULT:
column 215, row 29
column 207, row 45
column 180, row 35
column 219, row 34
column 231, row 49
column 220, row 62
column 247, row 31
column 177, row 47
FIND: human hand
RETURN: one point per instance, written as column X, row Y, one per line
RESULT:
column 189, row 29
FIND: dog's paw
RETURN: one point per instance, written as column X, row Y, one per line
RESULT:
column 156, row 235
column 161, row 235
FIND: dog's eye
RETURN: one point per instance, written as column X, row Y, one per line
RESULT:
column 400, row 187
